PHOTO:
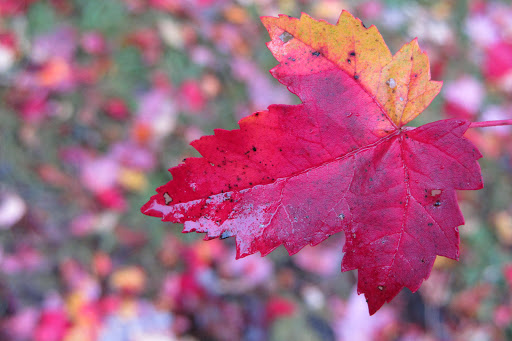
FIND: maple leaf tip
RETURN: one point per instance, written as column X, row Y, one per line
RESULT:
column 344, row 12
column 148, row 209
column 304, row 15
column 372, row 311
column 240, row 254
column 144, row 209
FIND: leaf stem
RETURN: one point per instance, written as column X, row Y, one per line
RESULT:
column 490, row 123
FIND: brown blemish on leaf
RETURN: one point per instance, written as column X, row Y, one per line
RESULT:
column 167, row 198
column 435, row 192
column 285, row 37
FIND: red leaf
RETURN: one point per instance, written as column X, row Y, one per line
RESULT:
column 341, row 160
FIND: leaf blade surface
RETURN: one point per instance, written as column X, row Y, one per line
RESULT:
column 339, row 161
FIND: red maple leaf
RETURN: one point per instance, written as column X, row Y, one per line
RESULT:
column 340, row 161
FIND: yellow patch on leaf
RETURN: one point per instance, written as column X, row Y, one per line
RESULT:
column 400, row 84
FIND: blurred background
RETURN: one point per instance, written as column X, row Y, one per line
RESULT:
column 100, row 97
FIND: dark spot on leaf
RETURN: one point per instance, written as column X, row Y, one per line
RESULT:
column 316, row 53
column 253, row 148
column 349, row 61
column 430, row 224
column 437, row 203
column 422, row 260
column 352, row 53
column 341, row 216
column 356, row 77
